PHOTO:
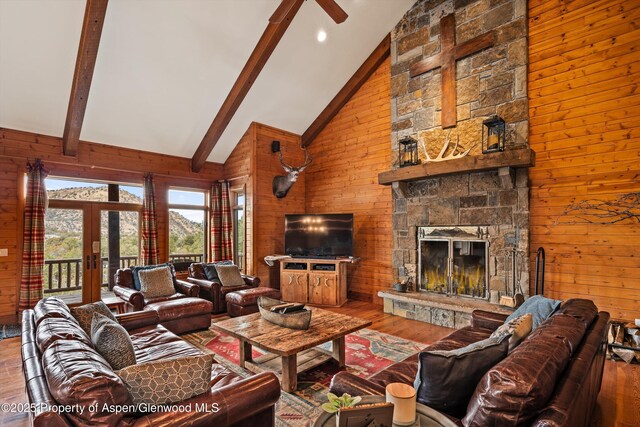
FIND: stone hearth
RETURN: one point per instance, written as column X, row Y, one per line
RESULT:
column 439, row 310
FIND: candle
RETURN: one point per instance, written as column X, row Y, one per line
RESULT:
column 493, row 141
column 403, row 397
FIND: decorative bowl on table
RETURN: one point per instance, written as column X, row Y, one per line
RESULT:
column 294, row 320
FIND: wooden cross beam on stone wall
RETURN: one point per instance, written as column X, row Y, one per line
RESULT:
column 446, row 59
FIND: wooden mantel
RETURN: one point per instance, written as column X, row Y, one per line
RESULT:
column 519, row 158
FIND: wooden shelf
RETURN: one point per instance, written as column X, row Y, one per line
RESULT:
column 521, row 158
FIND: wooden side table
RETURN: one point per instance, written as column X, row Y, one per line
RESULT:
column 114, row 303
column 182, row 275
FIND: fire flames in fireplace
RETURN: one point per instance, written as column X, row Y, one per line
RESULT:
column 469, row 280
column 453, row 262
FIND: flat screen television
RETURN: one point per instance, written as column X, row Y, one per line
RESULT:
column 318, row 235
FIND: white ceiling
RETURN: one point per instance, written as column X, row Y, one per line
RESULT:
column 164, row 67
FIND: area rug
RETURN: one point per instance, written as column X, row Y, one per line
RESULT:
column 9, row 331
column 367, row 352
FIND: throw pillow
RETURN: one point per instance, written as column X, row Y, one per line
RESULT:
column 167, row 381
column 112, row 341
column 156, row 282
column 84, row 314
column 210, row 269
column 539, row 307
column 446, row 379
column 229, row 275
column 516, row 329
column 136, row 270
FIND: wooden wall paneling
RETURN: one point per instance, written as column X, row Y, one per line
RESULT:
column 584, row 75
column 348, row 155
column 240, row 163
column 10, row 226
column 269, row 211
column 370, row 65
column 20, row 144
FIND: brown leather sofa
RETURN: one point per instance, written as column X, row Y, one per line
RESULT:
column 551, row 379
column 181, row 312
column 213, row 290
column 61, row 367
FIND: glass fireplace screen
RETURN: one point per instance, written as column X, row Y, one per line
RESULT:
column 455, row 267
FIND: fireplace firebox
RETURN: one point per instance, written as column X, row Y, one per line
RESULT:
column 454, row 260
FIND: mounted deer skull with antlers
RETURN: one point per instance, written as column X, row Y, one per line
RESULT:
column 281, row 183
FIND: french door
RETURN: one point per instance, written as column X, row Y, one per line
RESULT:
column 85, row 243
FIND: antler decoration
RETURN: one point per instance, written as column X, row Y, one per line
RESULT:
column 289, row 169
column 441, row 157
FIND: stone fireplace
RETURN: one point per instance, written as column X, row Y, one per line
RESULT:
column 461, row 237
column 452, row 221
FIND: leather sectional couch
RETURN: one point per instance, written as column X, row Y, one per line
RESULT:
column 61, row 368
column 551, row 379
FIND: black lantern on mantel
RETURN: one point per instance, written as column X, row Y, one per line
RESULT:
column 408, row 152
column 493, row 135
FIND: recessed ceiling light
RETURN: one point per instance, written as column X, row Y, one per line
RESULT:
column 322, row 35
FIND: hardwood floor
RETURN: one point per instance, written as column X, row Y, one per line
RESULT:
column 618, row 402
column 12, row 383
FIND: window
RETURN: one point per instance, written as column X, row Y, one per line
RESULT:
column 91, row 191
column 188, row 215
column 83, row 218
column 238, row 202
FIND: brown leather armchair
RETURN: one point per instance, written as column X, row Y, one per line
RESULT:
column 181, row 312
column 213, row 290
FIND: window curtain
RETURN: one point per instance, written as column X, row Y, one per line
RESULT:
column 35, row 207
column 149, row 250
column 221, row 223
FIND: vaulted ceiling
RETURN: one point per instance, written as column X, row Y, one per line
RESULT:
column 165, row 67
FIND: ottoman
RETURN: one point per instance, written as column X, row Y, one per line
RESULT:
column 182, row 315
column 240, row 303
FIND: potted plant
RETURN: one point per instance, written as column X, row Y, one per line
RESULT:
column 336, row 403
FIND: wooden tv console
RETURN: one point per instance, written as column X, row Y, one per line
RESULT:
column 314, row 281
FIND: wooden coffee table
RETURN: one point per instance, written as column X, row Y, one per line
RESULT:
column 291, row 351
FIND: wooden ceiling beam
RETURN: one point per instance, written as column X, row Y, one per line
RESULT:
column 365, row 71
column 333, row 10
column 261, row 53
column 94, row 14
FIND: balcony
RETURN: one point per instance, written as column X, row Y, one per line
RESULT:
column 62, row 277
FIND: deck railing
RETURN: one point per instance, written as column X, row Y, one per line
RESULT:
column 185, row 257
column 64, row 275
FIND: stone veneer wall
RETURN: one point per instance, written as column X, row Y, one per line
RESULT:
column 493, row 81
column 490, row 82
